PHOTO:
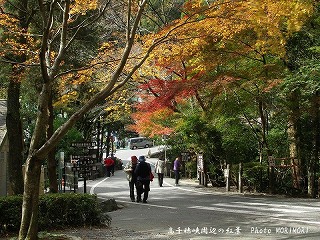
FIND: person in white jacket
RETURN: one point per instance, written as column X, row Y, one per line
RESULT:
column 159, row 169
column 131, row 177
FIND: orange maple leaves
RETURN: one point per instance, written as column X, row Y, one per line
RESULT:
column 210, row 39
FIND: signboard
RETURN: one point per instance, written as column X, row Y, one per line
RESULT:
column 185, row 156
column 85, row 161
column 83, row 167
column 200, row 166
column 83, row 144
column 226, row 172
column 77, row 157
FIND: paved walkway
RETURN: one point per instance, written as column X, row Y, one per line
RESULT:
column 114, row 233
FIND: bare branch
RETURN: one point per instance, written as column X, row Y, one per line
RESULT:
column 44, row 45
column 18, row 63
column 128, row 19
column 63, row 38
column 86, row 23
column 107, row 91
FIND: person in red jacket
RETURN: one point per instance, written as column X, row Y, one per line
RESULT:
column 108, row 163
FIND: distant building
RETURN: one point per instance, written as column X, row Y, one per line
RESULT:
column 4, row 149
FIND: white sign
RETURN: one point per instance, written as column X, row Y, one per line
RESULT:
column 200, row 162
column 226, row 172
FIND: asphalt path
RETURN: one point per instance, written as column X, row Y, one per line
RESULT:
column 189, row 211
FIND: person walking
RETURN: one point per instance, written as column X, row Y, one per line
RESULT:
column 176, row 169
column 131, row 176
column 159, row 170
column 143, row 171
column 113, row 164
column 108, row 163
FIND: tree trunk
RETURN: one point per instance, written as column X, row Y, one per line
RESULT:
column 108, row 147
column 314, row 161
column 40, row 146
column 102, row 142
column 293, row 152
column 99, row 139
column 311, row 177
column 13, row 120
column 265, row 145
column 293, row 137
column 29, row 221
column 52, row 164
column 15, row 137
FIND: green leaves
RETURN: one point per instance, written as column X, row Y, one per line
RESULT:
column 306, row 80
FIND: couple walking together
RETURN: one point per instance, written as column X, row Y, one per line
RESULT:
column 138, row 174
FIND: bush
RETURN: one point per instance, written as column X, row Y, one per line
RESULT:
column 191, row 169
column 55, row 211
column 216, row 175
column 10, row 212
column 255, row 176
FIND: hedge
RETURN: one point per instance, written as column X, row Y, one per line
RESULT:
column 55, row 211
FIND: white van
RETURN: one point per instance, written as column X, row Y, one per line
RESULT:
column 139, row 142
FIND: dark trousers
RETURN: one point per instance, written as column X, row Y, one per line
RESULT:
column 131, row 186
column 143, row 186
column 160, row 179
column 108, row 171
column 112, row 170
column 177, row 176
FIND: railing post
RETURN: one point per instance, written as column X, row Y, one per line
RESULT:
column 227, row 175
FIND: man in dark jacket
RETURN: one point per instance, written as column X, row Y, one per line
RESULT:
column 142, row 172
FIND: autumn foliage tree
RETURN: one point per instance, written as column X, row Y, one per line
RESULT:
column 231, row 47
column 14, row 23
column 57, row 34
column 219, row 39
column 213, row 46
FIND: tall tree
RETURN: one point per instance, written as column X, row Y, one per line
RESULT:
column 242, row 39
column 19, row 13
column 302, row 96
column 50, row 70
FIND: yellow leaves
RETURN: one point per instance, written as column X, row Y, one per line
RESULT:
column 195, row 5
column 110, row 109
column 81, row 77
column 13, row 39
column 226, row 39
column 10, row 32
column 106, row 46
column 7, row 21
column 65, row 99
column 82, row 6
column 270, row 21
column 117, row 106
column 274, row 21
column 69, row 87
